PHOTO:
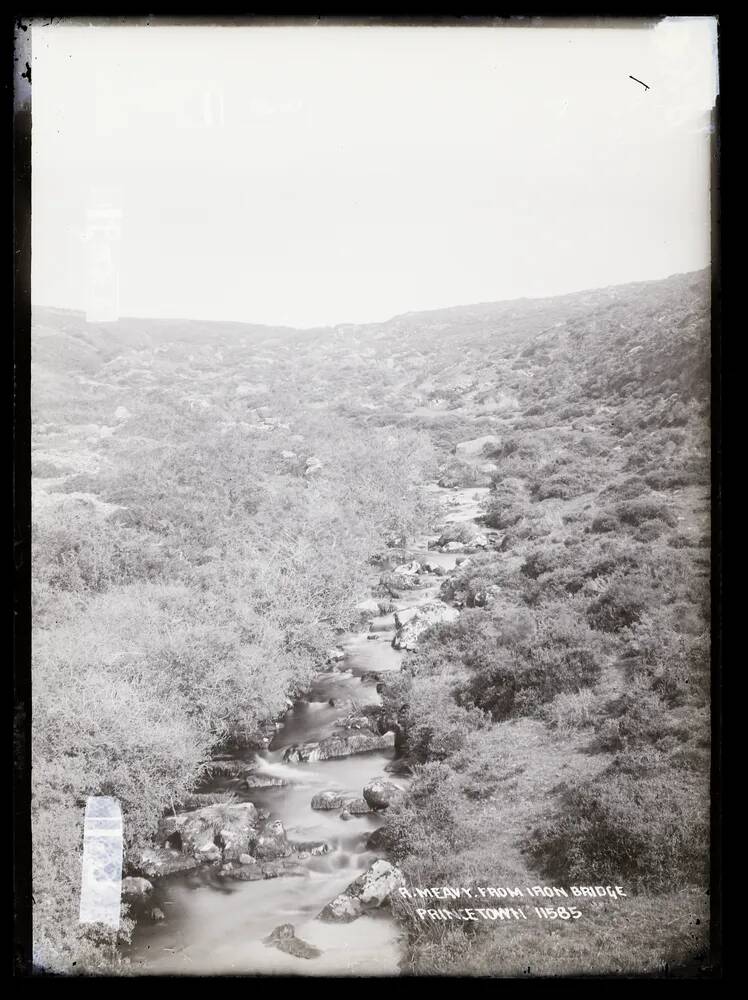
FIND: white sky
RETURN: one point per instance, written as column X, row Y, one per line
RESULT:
column 358, row 172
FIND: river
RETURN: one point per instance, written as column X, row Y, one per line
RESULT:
column 214, row 926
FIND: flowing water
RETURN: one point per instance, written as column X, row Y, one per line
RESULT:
column 215, row 926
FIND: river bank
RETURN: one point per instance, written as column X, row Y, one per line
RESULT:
column 209, row 923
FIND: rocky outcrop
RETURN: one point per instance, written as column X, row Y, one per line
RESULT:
column 284, row 939
column 327, row 800
column 381, row 794
column 408, row 631
column 371, row 890
column 339, row 746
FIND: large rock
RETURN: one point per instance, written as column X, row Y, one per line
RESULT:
column 434, row 568
column 339, row 746
column 378, row 840
column 315, row 848
column 241, row 873
column 359, row 721
column 434, row 613
column 282, row 867
column 228, row 828
column 408, row 569
column 475, row 446
column 327, row 800
column 374, row 888
column 228, row 768
column 134, row 886
column 342, row 909
column 154, row 862
column 253, row 781
column 358, row 807
column 380, row 793
column 272, row 842
column 284, row 939
column 395, row 581
column 371, row 890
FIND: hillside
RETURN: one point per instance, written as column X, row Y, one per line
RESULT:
column 208, row 498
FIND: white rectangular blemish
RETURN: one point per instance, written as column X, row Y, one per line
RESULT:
column 101, row 876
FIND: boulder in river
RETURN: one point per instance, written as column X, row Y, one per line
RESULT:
column 228, row 768
column 342, row 909
column 284, row 939
column 231, row 828
column 339, row 746
column 154, row 862
column 408, row 569
column 358, row 807
column 399, row 581
column 241, row 873
column 135, row 886
column 208, row 852
column 434, row 613
column 327, row 800
column 283, row 868
column 378, row 840
column 381, row 794
column 369, row 891
column 264, row 781
column 434, row 568
column 313, row 848
column 272, row 842
column 360, row 721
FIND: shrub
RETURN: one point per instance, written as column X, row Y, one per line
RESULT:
column 571, row 711
column 636, row 512
column 649, row 531
column 518, row 676
column 620, row 606
column 604, row 523
column 649, row 830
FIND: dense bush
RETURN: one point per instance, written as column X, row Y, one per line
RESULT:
column 649, row 831
column 636, row 512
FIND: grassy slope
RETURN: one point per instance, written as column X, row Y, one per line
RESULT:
column 584, row 391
